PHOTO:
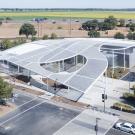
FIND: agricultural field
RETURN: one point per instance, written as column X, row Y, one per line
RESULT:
column 66, row 14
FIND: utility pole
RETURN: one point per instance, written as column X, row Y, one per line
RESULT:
column 69, row 22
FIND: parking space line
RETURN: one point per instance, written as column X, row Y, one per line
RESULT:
column 21, row 113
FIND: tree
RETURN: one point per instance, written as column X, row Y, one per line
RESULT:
column 90, row 25
column 130, row 35
column 7, row 19
column 105, row 26
column 5, row 90
column 112, row 21
column 53, row 36
column 121, row 22
column 132, row 27
column 94, row 34
column 119, row 35
column 27, row 29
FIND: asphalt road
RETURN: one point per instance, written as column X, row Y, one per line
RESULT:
column 37, row 117
column 21, row 98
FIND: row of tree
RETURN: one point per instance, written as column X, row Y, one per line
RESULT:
column 108, row 24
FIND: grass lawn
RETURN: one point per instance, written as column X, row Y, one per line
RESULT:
column 64, row 14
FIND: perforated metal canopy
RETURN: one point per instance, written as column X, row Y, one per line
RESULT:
column 31, row 55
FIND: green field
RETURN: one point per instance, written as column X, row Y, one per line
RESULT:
column 64, row 14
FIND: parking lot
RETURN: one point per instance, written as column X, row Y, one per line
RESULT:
column 129, row 77
column 114, row 131
column 35, row 117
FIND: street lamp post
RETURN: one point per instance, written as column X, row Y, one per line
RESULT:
column 104, row 95
column 55, row 86
column 129, row 79
column 96, row 126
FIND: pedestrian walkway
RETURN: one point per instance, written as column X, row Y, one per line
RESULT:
column 84, row 124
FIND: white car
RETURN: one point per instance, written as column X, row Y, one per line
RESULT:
column 127, row 127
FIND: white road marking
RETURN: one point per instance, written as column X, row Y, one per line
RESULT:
column 21, row 113
column 68, row 123
column 111, row 126
column 20, row 106
column 76, row 118
column 26, row 102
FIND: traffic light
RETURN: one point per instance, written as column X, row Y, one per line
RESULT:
column 104, row 97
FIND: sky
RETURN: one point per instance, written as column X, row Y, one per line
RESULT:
column 67, row 3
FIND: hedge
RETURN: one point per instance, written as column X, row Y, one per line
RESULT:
column 129, row 96
column 122, row 107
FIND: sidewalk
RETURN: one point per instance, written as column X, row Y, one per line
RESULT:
column 122, row 115
column 84, row 124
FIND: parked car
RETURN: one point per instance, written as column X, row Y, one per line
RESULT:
column 127, row 127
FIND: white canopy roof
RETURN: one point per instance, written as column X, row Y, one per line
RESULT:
column 31, row 55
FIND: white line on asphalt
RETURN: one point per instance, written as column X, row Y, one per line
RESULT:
column 20, row 106
column 77, row 117
column 24, row 93
column 111, row 126
column 21, row 113
column 68, row 123
column 124, row 76
column 26, row 102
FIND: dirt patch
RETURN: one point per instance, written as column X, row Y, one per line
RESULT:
column 31, row 91
column 69, row 102
column 62, row 29
column 6, row 109
column 111, row 33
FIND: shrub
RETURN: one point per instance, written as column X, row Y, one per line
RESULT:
column 122, row 107
column 93, row 34
column 33, row 39
column 45, row 37
column 119, row 35
column 130, row 35
column 129, row 96
column 53, row 36
column 59, row 27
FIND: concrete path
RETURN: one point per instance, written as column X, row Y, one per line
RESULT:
column 84, row 124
